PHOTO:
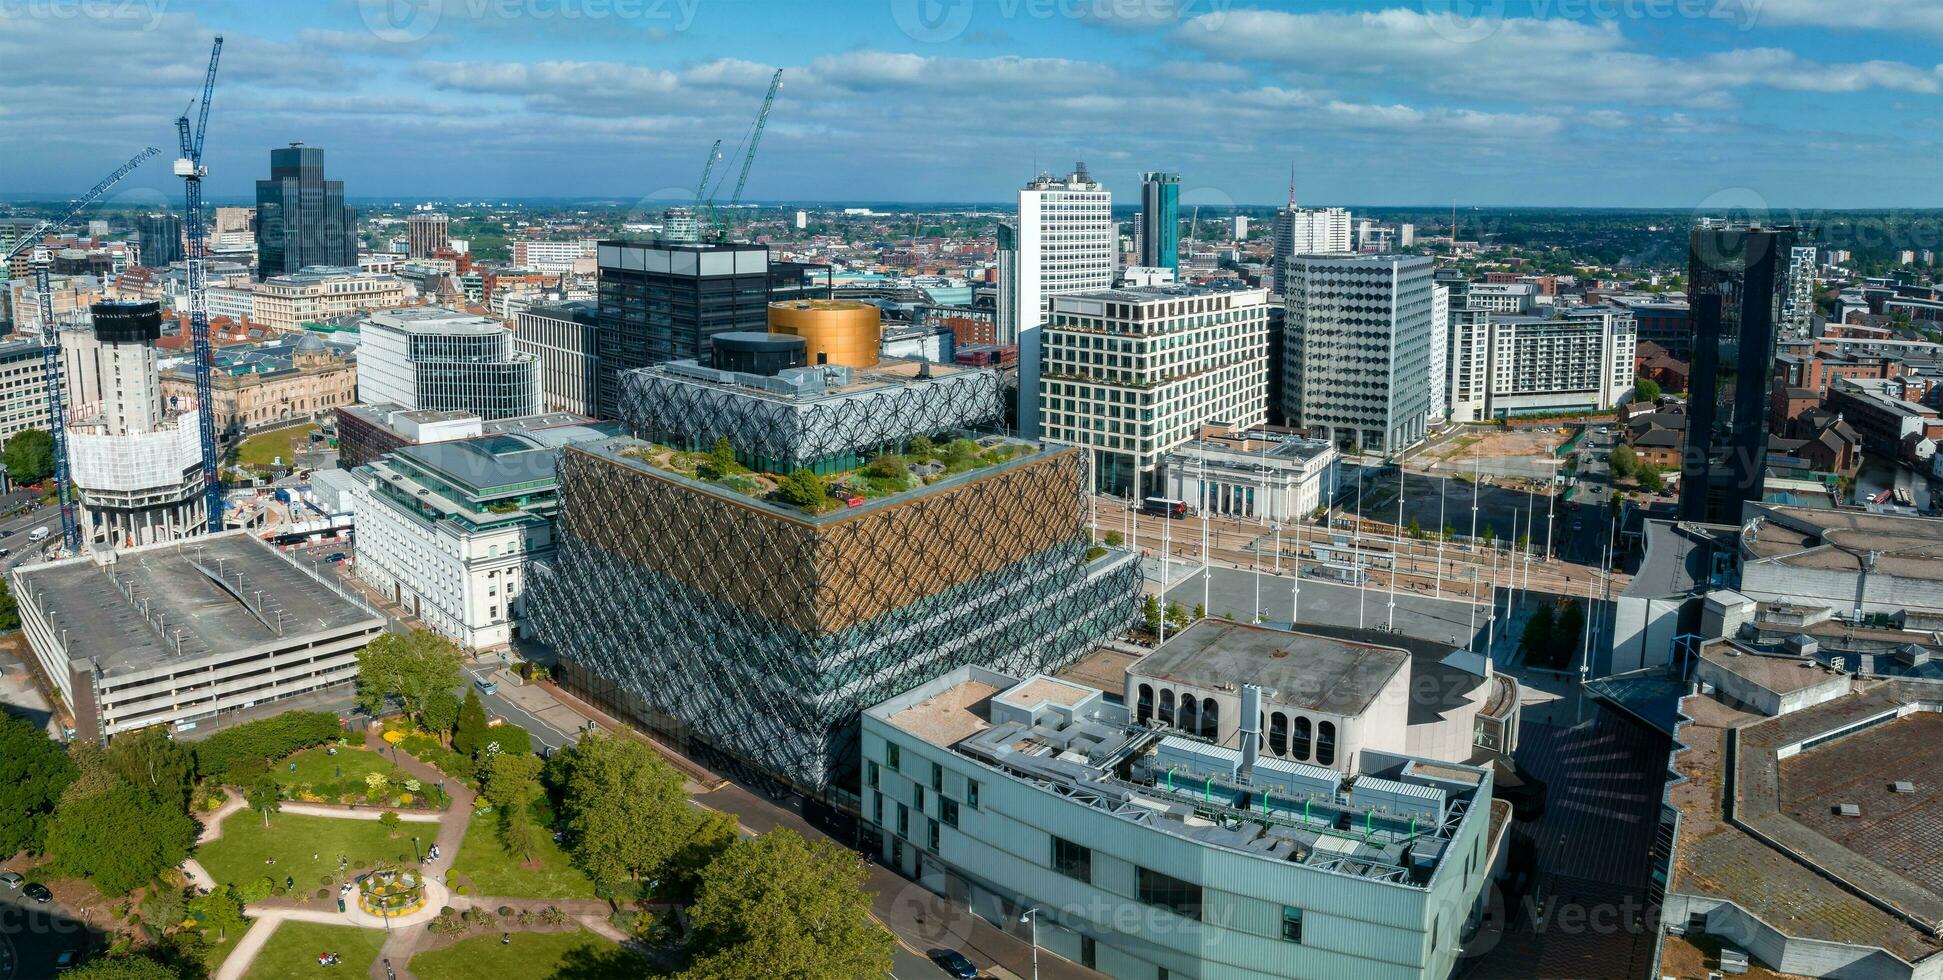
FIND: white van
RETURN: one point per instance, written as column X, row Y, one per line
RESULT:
column 40, row 534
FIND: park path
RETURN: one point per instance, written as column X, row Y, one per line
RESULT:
column 402, row 943
column 240, row 958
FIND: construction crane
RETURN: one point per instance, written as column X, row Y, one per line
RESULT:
column 50, row 340
column 701, row 186
column 189, row 167
column 752, row 140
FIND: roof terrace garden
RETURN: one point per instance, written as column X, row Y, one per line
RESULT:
column 923, row 462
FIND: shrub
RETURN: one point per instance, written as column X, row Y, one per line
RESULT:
column 462, row 890
column 323, row 893
column 505, row 910
column 447, row 922
column 551, row 915
column 261, row 741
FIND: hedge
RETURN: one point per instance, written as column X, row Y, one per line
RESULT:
column 263, row 741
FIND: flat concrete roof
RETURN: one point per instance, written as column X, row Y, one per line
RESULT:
column 117, row 613
column 1782, row 675
column 1302, row 670
column 1831, row 540
column 951, row 715
column 1887, row 852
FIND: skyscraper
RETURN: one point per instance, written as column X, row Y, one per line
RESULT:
column 161, row 235
column 301, row 219
column 1358, row 348
column 1737, row 282
column 1066, row 241
column 426, row 232
column 1160, row 220
column 1307, row 231
column 1798, row 311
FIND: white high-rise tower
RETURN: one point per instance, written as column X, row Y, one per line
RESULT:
column 1065, row 244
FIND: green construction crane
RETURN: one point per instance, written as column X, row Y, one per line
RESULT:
column 754, row 138
column 701, row 186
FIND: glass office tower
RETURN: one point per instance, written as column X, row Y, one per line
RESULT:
column 301, row 219
column 1737, row 282
column 1160, row 220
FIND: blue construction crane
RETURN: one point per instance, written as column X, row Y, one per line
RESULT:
column 189, row 167
column 50, row 339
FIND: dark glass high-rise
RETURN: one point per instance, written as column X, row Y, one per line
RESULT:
column 1737, row 278
column 301, row 219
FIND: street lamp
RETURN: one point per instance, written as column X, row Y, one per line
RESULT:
column 1032, row 915
column 415, row 855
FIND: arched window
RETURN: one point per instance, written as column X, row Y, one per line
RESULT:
column 1278, row 733
column 1301, row 749
column 1190, row 717
column 1145, row 710
column 1326, row 743
column 1167, row 707
column 1210, row 719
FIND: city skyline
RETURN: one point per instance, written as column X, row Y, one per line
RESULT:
column 1402, row 105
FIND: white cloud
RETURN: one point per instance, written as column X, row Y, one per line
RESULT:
column 1525, row 58
column 1899, row 16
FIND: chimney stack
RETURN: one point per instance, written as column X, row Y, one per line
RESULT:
column 1251, row 730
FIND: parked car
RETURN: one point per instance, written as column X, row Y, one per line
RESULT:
column 954, row 963
column 65, row 961
column 39, row 893
column 485, row 686
column 11, row 879
column 335, row 556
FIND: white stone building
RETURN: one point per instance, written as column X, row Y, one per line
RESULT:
column 444, row 360
column 1064, row 243
column 1578, row 360
column 1253, row 473
column 1132, row 373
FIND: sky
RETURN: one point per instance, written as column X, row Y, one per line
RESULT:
column 1633, row 103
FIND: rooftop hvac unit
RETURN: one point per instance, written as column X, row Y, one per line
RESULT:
column 1902, row 786
column 1197, row 758
column 1847, row 810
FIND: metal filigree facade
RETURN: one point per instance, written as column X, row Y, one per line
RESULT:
column 833, row 431
column 761, row 634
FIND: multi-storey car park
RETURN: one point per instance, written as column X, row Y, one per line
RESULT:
column 175, row 634
column 1193, row 845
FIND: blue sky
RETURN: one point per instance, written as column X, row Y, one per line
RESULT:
column 1661, row 103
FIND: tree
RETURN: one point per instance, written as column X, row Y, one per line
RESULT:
column 1490, row 535
column 517, row 833
column 1536, row 640
column 922, row 447
column 1200, row 611
column 470, row 736
column 264, row 796
column 887, row 467
column 130, row 967
column 1565, row 636
column 1650, row 479
column 1150, row 614
column 512, row 780
column 802, row 488
column 9, row 609
column 719, row 462
column 1646, row 389
column 390, row 821
column 29, row 456
column 218, row 912
column 164, row 908
column 252, row 744
column 439, row 714
column 151, row 760
column 779, row 905
column 1449, row 532
column 408, row 666
column 626, row 808
column 1176, row 615
column 33, row 773
column 1622, row 462
column 1114, row 539
column 120, row 839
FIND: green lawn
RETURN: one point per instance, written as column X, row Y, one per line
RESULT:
column 262, row 449
column 293, row 948
column 292, row 838
column 329, row 777
column 493, row 871
column 579, row 955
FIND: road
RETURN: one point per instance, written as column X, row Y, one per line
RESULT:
column 33, row 936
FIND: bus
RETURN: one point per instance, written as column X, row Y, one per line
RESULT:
column 1163, row 507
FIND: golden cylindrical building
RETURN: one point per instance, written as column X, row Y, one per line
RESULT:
column 837, row 331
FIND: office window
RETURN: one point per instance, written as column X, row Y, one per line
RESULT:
column 1072, row 860
column 1291, row 924
column 891, row 755
column 931, row 836
column 903, row 820
column 917, row 797
column 1171, row 893
column 971, row 793
column 948, row 811
column 877, row 809
column 871, row 770
column 937, row 777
